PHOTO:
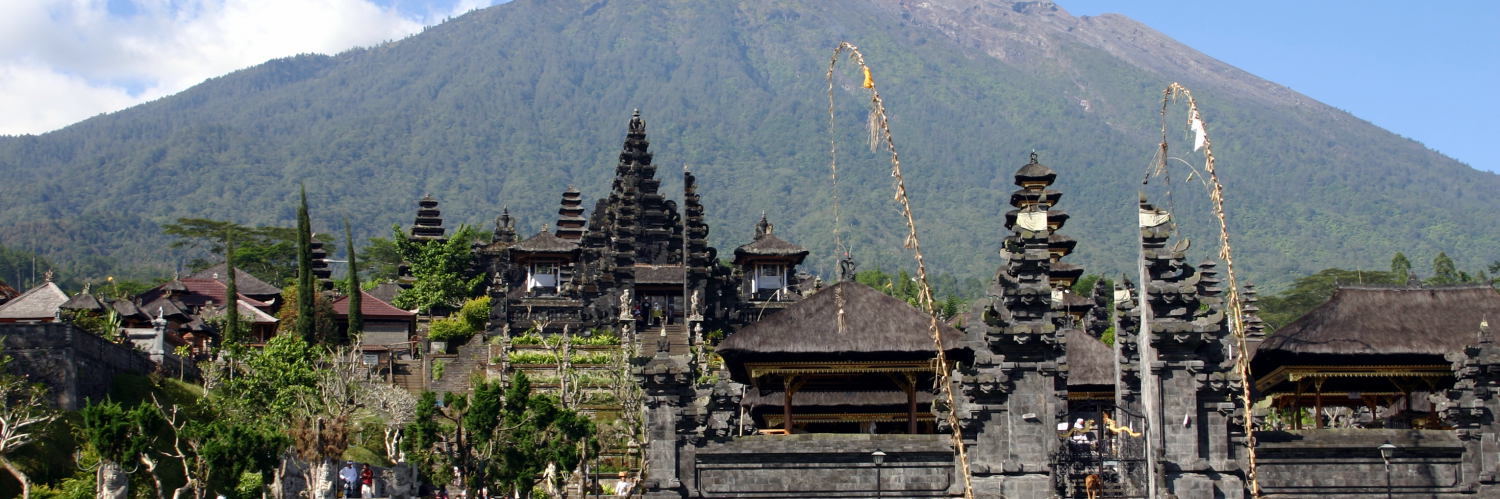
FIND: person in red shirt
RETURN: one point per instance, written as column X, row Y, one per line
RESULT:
column 367, row 482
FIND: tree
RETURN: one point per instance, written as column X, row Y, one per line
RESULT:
column 422, row 438
column 444, row 277
column 24, row 412
column 1400, row 268
column 382, row 260
column 267, row 252
column 120, row 437
column 356, row 299
column 272, row 381
column 1308, row 292
column 536, row 434
column 1444, row 272
column 232, row 335
column 305, row 290
column 290, row 317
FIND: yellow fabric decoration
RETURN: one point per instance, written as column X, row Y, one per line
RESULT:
column 869, row 82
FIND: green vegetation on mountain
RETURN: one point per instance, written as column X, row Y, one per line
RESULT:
column 511, row 104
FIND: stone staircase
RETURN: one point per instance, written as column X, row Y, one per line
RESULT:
column 458, row 367
column 678, row 339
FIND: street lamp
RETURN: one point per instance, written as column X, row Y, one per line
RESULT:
column 1386, row 451
column 879, row 457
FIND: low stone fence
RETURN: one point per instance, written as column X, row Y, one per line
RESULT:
column 826, row 465
column 1321, row 463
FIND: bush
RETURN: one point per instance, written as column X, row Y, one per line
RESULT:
column 450, row 329
column 475, row 314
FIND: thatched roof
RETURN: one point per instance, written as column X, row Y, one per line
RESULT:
column 1365, row 321
column 769, row 245
column 545, row 242
column 660, row 274
column 874, row 324
column 1090, row 361
column 38, row 303
column 837, row 399
column 83, row 301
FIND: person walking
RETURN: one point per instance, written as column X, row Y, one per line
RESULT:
column 350, row 478
column 367, row 482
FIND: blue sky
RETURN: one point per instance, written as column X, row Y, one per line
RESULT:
column 1422, row 70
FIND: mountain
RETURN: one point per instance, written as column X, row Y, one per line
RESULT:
column 507, row 106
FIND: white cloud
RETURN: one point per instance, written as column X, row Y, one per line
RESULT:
column 62, row 61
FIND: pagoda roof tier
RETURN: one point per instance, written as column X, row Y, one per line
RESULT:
column 1035, row 172
column 1055, row 219
column 1026, row 197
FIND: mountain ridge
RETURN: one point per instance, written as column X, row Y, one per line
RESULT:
column 509, row 105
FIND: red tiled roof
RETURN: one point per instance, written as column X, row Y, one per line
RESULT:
column 370, row 306
column 208, row 290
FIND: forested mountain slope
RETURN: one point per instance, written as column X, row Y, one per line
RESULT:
column 511, row 104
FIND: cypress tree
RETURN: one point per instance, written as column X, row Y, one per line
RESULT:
column 1443, row 270
column 231, row 296
column 356, row 315
column 306, row 323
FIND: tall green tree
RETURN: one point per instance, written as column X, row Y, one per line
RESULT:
column 305, row 289
column 232, row 336
column 1400, row 268
column 266, row 252
column 443, row 271
column 356, row 299
column 1444, row 272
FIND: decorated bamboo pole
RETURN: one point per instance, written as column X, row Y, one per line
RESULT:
column 880, row 132
column 1226, row 252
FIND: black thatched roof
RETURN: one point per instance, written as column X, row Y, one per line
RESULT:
column 1090, row 361
column 244, row 283
column 545, row 242
column 1365, row 321
column 659, row 274
column 769, row 245
column 875, row 324
column 83, row 301
column 837, row 399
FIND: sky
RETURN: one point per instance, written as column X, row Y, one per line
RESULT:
column 1427, row 71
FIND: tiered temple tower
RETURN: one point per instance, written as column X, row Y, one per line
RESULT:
column 1200, row 438
column 570, row 221
column 1017, row 389
column 429, row 222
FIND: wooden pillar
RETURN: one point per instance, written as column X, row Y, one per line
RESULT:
column 911, row 410
column 786, row 407
column 1318, row 404
column 1297, row 408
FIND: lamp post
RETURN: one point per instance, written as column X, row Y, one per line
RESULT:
column 879, row 457
column 1386, row 451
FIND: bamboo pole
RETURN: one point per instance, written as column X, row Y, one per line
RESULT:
column 1226, row 253
column 880, row 132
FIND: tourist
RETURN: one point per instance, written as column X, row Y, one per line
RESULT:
column 350, row 479
column 624, row 485
column 367, row 482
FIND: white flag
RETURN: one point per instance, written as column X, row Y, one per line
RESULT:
column 1199, row 134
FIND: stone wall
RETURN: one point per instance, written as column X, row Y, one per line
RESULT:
column 1321, row 463
column 75, row 365
column 827, row 465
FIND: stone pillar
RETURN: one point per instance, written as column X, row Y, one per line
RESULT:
column 667, row 383
column 1471, row 406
